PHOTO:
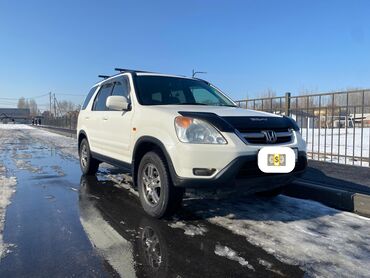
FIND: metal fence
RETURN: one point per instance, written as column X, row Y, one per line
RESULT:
column 335, row 126
column 67, row 121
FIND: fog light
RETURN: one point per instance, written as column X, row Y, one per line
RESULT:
column 203, row 171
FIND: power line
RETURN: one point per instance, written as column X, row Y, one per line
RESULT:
column 28, row 98
column 71, row 95
column 44, row 95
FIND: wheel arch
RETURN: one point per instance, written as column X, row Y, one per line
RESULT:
column 81, row 135
column 142, row 146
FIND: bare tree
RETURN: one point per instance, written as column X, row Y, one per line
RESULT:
column 66, row 106
column 32, row 105
column 22, row 103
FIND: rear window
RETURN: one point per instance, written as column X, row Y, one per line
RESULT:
column 89, row 96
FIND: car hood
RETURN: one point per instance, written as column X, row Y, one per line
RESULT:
column 222, row 111
column 230, row 118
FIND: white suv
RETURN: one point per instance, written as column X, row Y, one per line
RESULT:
column 175, row 132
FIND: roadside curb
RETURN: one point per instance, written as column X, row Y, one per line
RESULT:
column 336, row 198
column 59, row 130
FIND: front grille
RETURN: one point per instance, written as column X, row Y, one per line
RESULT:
column 259, row 136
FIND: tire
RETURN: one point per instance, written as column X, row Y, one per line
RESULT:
column 158, row 196
column 271, row 193
column 89, row 165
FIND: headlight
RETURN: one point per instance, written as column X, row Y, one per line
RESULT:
column 190, row 130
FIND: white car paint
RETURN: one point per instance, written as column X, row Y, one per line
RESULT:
column 114, row 133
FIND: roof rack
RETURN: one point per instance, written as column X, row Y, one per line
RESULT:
column 129, row 70
column 104, row 76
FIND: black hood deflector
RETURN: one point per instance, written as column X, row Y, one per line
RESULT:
column 242, row 124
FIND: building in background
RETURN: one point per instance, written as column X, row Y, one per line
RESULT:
column 16, row 115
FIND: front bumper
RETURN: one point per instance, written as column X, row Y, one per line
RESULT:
column 244, row 171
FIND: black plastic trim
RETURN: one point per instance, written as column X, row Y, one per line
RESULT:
column 228, row 176
column 78, row 138
column 161, row 146
column 112, row 161
column 260, row 123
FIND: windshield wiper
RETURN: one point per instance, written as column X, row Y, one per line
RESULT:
column 191, row 103
column 228, row 105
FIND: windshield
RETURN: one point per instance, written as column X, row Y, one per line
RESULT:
column 164, row 90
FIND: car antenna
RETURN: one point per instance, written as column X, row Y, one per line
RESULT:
column 104, row 76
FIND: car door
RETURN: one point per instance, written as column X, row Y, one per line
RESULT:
column 117, row 124
column 97, row 134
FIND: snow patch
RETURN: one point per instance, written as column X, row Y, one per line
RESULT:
column 119, row 182
column 323, row 241
column 66, row 146
column 58, row 170
column 26, row 165
column 339, row 137
column 7, row 188
column 15, row 126
column 189, row 229
column 229, row 253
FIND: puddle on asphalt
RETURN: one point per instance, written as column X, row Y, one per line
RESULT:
column 65, row 224
column 125, row 236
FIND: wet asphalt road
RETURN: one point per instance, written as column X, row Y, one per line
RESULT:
column 65, row 225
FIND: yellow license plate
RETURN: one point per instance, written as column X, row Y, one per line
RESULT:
column 276, row 159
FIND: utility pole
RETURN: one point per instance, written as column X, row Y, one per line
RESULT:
column 55, row 107
column 50, row 103
column 196, row 72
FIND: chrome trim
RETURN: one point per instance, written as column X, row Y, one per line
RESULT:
column 245, row 135
column 261, row 135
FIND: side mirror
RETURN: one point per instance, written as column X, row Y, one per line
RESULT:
column 118, row 103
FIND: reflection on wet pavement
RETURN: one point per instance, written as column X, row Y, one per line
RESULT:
column 130, row 240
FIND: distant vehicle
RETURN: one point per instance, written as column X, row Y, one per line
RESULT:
column 175, row 132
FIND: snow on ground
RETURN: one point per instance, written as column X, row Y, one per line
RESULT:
column 7, row 189
column 323, row 241
column 189, row 229
column 339, row 146
column 229, row 253
column 15, row 126
column 66, row 145
column 26, row 165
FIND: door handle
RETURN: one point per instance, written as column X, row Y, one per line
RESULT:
column 105, row 118
column 86, row 118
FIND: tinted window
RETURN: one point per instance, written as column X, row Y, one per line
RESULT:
column 121, row 88
column 100, row 100
column 162, row 90
column 87, row 100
